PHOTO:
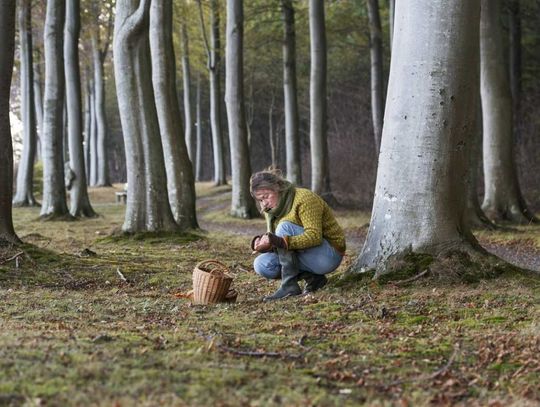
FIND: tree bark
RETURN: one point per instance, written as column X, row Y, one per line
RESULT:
column 147, row 201
column 25, row 174
column 198, row 158
column 290, row 90
column 320, row 175
column 102, row 168
column 420, row 194
column 502, row 199
column 54, row 193
column 80, row 203
column 214, row 66
column 180, row 182
column 515, row 56
column 242, row 205
column 377, row 81
column 7, row 49
column 87, row 128
column 186, row 71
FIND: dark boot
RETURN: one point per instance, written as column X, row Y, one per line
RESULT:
column 289, row 276
column 313, row 281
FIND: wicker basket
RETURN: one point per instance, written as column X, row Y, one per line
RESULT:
column 211, row 282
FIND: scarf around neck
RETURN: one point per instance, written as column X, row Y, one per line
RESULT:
column 286, row 198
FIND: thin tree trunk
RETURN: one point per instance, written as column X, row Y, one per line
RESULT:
column 420, row 196
column 38, row 103
column 391, row 14
column 93, row 161
column 54, row 193
column 148, row 206
column 87, row 129
column 198, row 159
column 242, row 205
column 80, row 204
column 502, row 198
column 290, row 98
column 214, row 64
column 377, row 81
column 320, row 175
column 7, row 48
column 271, row 134
column 186, row 71
column 180, row 182
column 100, row 115
column 25, row 174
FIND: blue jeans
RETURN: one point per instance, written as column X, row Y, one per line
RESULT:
column 320, row 259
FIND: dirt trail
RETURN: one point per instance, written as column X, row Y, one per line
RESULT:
column 522, row 255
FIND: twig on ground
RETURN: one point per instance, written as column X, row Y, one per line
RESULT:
column 410, row 280
column 258, row 354
column 431, row 376
column 14, row 257
column 122, row 277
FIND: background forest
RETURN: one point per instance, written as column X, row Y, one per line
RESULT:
column 350, row 134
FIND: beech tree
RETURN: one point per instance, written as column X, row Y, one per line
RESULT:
column 38, row 100
column 420, row 195
column 24, row 195
column 7, row 48
column 214, row 65
column 320, row 174
column 148, row 206
column 290, row 97
column 242, row 205
column 80, row 203
column 54, row 194
column 377, row 80
column 502, row 198
column 180, row 181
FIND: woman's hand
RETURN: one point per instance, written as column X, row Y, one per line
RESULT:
column 276, row 241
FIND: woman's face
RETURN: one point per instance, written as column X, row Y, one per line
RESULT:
column 267, row 198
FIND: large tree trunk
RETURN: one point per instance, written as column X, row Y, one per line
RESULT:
column 180, row 182
column 198, row 158
column 242, row 205
column 147, row 201
column 377, row 81
column 7, row 47
column 54, row 193
column 190, row 143
column 25, row 174
column 320, row 173
column 420, row 194
column 100, row 115
column 502, row 198
column 80, row 204
column 290, row 99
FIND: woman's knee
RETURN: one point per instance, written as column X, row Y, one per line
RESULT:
column 286, row 228
column 267, row 266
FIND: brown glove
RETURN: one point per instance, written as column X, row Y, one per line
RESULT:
column 261, row 248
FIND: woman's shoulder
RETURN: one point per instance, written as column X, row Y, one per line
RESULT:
column 303, row 195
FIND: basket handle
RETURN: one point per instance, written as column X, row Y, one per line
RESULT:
column 215, row 262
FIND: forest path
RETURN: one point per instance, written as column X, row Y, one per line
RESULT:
column 520, row 252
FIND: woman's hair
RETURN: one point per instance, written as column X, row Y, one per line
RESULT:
column 270, row 178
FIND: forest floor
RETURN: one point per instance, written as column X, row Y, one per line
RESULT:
column 74, row 332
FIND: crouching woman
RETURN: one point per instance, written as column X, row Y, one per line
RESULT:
column 303, row 239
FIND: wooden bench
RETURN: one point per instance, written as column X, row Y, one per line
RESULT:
column 121, row 197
